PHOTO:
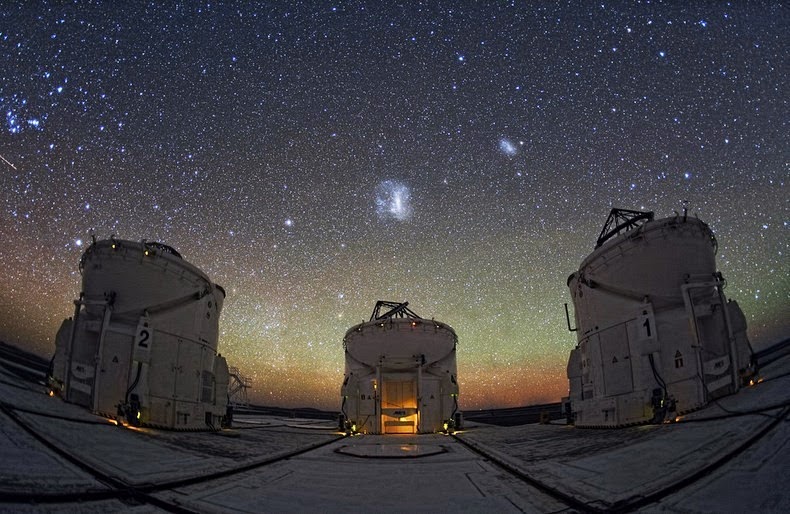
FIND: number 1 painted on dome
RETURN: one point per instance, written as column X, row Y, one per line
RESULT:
column 646, row 325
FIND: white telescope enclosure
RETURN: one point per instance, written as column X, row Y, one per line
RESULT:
column 656, row 336
column 142, row 344
column 401, row 374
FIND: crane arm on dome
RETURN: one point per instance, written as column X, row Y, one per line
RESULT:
column 658, row 301
column 397, row 310
column 169, row 305
column 164, row 248
column 622, row 220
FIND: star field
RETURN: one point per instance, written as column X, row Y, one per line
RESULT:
column 313, row 158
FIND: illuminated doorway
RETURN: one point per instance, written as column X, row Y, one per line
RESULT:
column 399, row 406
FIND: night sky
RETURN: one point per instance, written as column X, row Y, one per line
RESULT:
column 313, row 158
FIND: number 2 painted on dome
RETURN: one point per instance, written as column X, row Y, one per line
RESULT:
column 144, row 335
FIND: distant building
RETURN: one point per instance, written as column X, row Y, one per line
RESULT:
column 401, row 374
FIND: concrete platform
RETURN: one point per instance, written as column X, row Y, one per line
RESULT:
column 392, row 447
column 251, row 468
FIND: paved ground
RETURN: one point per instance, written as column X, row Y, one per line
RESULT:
column 395, row 473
